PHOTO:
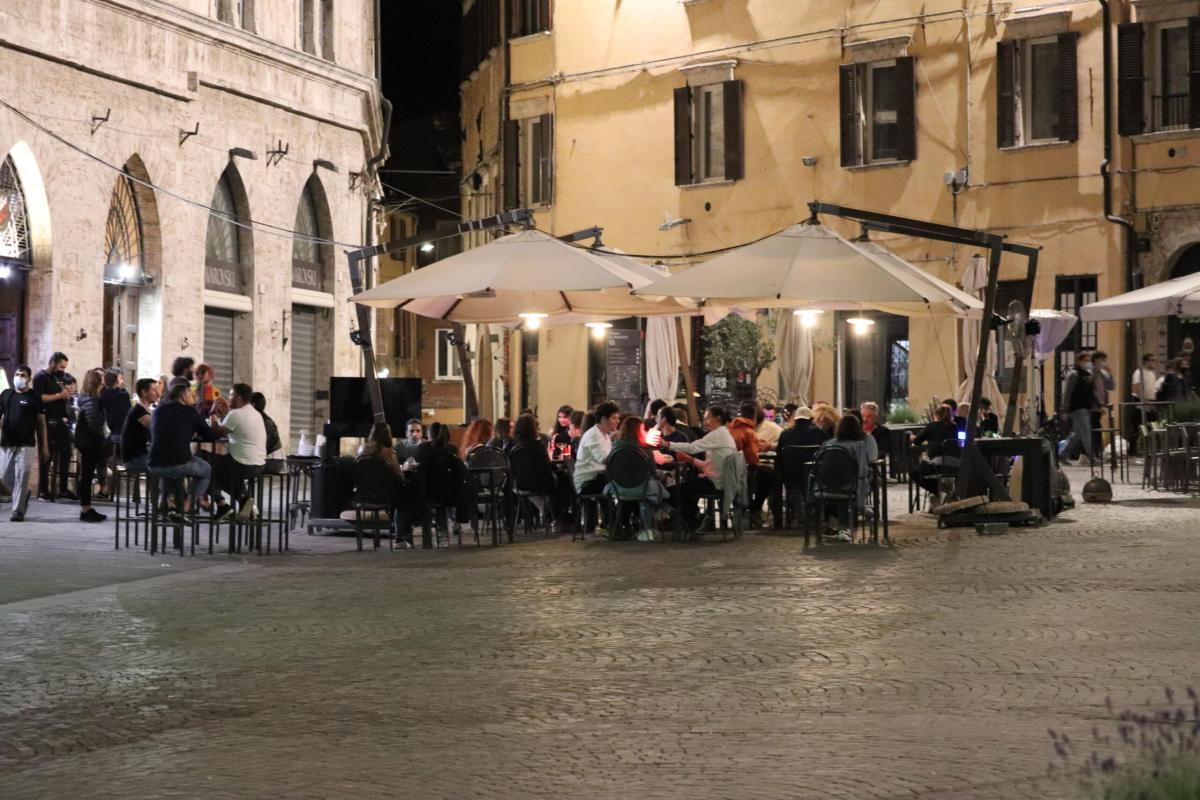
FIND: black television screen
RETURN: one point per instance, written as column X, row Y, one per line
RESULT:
column 350, row 402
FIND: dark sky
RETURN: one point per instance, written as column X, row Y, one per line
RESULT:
column 420, row 55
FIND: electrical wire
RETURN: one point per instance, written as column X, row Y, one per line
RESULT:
column 248, row 224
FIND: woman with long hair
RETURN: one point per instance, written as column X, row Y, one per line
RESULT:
column 478, row 434
column 380, row 444
column 863, row 449
column 90, row 435
column 502, row 434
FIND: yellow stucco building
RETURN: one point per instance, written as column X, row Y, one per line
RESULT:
column 734, row 114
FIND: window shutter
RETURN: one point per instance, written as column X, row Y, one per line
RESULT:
column 1194, row 72
column 735, row 168
column 851, row 126
column 514, row 19
column 906, row 109
column 512, row 164
column 1068, row 87
column 1131, row 78
column 1006, row 94
column 544, row 16
column 547, row 187
column 683, row 136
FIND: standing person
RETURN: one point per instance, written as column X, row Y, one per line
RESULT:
column 172, row 426
column 245, row 456
column 1103, row 385
column 115, row 401
column 51, row 387
column 1080, row 394
column 1172, row 387
column 135, row 433
column 182, row 367
column 91, row 433
column 715, row 446
column 22, row 426
column 274, row 443
column 1141, row 387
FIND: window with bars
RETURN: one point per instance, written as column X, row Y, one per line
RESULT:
column 123, row 236
column 14, row 226
column 1158, row 65
column 1071, row 293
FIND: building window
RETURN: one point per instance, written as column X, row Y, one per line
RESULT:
column 447, row 367
column 228, row 242
column 878, row 112
column 123, row 235
column 708, row 133
column 1156, row 65
column 14, row 227
column 529, row 161
column 480, row 34
column 1071, row 293
column 316, row 29
column 528, row 17
column 327, row 29
column 311, row 258
column 236, row 12
column 1037, row 91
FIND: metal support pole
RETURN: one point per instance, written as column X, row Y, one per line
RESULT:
column 689, row 383
column 985, row 338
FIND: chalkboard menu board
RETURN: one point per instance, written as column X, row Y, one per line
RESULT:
column 625, row 369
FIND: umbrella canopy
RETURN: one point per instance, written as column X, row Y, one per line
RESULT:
column 811, row 265
column 524, row 273
column 1178, row 296
column 1055, row 327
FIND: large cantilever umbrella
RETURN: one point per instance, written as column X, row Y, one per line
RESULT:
column 1178, row 296
column 526, row 273
column 810, row 265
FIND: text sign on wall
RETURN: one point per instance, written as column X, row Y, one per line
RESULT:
column 307, row 276
column 625, row 369
column 223, row 278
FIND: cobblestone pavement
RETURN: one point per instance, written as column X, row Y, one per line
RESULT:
column 751, row 669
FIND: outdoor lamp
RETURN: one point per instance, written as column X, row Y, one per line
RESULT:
column 808, row 316
column 126, row 272
column 599, row 329
column 533, row 320
column 861, row 325
column 428, row 247
column 5, row 271
column 383, row 373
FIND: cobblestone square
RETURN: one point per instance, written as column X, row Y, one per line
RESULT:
column 752, row 668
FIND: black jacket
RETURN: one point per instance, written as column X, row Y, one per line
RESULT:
column 90, row 427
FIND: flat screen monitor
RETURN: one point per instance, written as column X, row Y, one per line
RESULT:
column 350, row 402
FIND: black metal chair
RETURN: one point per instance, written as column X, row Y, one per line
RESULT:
column 728, row 510
column 531, row 480
column 833, row 479
column 794, row 464
column 490, row 467
column 374, row 486
column 630, row 471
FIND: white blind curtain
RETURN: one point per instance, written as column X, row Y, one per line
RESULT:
column 975, row 283
column 218, row 344
column 304, row 373
column 662, row 358
column 795, row 347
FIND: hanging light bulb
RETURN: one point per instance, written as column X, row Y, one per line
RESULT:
column 861, row 325
column 808, row 316
column 599, row 329
column 533, row 320
column 5, row 271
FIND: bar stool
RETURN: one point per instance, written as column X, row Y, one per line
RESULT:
column 159, row 517
column 130, row 509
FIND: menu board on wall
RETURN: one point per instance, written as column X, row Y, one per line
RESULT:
column 625, row 369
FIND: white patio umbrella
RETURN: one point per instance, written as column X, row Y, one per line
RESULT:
column 810, row 265
column 526, row 273
column 795, row 348
column 1178, row 296
column 975, row 280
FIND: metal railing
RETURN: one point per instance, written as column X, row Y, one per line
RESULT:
column 1172, row 112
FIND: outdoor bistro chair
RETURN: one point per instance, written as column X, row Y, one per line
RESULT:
column 526, row 460
column 833, row 479
column 630, row 471
column 490, row 467
column 796, row 463
column 732, row 496
column 374, row 486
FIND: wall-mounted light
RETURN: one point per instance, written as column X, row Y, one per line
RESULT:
column 428, row 247
column 533, row 320
column 809, row 161
column 599, row 329
column 127, row 272
column 383, row 373
column 808, row 316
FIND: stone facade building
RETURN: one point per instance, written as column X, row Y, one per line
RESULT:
column 125, row 119
column 729, row 117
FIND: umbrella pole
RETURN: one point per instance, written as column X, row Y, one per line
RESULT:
column 689, row 383
column 470, row 398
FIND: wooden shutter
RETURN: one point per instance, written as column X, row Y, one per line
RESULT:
column 1194, row 72
column 906, row 109
column 1068, row 87
column 547, row 131
column 1006, row 94
column 1131, row 79
column 515, row 28
column 512, row 164
column 735, row 168
column 544, row 16
column 683, row 136
column 850, row 92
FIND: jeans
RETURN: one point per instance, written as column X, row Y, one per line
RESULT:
column 1081, row 434
column 59, row 454
column 89, row 459
column 137, row 466
column 18, row 460
column 197, row 468
column 230, row 476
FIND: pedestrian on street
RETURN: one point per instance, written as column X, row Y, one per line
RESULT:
column 1079, row 391
column 91, row 432
column 55, row 392
column 1141, row 388
column 22, row 427
column 1103, row 385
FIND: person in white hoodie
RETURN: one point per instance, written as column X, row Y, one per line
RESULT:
column 715, row 446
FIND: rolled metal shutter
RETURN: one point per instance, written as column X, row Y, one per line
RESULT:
column 303, row 342
column 218, row 344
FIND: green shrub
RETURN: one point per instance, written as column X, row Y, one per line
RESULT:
column 902, row 414
column 1175, row 777
column 1187, row 411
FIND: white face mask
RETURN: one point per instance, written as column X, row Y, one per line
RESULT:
column 20, row 382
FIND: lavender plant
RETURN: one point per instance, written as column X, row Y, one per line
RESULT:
column 1146, row 756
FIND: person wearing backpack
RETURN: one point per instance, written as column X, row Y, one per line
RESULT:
column 22, row 427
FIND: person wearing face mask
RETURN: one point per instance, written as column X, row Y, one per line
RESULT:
column 22, row 426
column 53, row 390
column 1080, row 395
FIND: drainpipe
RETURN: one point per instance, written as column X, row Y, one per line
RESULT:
column 1130, row 243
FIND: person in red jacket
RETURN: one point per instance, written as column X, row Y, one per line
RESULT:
column 745, row 432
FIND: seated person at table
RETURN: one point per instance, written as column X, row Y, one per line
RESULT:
column 630, row 435
column 172, row 426
column 872, row 425
column 667, row 430
column 379, row 444
column 586, row 420
column 414, row 437
column 768, row 429
column 940, row 439
column 743, row 429
column 594, row 447
column 989, row 423
column 532, row 470
column 502, row 434
column 850, row 437
column 826, row 417
column 560, row 431
column 684, row 422
column 245, row 456
column 135, row 433
column 715, row 447
column 478, row 434
column 443, row 481
column 802, row 433
column 274, row 443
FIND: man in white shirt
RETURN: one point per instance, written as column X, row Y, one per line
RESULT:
column 245, row 455
column 768, row 430
column 1144, row 376
column 592, row 455
column 716, row 446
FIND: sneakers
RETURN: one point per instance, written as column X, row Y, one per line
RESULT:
column 842, row 535
column 247, row 511
column 17, row 516
column 92, row 515
column 68, row 495
column 646, row 535
column 224, row 512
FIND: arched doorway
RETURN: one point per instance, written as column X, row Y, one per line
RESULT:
column 312, row 303
column 228, row 278
column 124, row 277
column 15, row 262
column 1180, row 328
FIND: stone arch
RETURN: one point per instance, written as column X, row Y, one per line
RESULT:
column 25, row 334
column 229, row 281
column 314, row 217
